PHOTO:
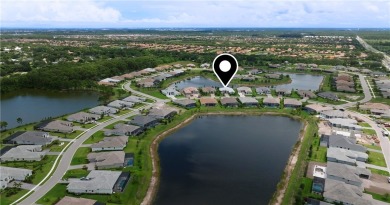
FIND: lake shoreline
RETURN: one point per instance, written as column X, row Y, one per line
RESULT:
column 155, row 179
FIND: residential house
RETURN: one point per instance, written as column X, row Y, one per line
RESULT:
column 29, row 138
column 144, row 121
column 205, row 65
column 316, row 108
column 248, row 101
column 346, row 173
column 162, row 113
column 248, row 78
column 328, row 95
column 254, row 72
column 208, row 102
column 134, row 99
column 306, row 94
column 244, row 90
column 97, row 182
column 345, row 156
column 344, row 88
column 83, row 117
column 208, row 90
column 263, row 91
column 330, row 114
column 227, row 90
column 110, row 144
column 292, row 103
column 187, row 103
column 189, row 92
column 273, row 76
column 374, row 106
column 23, row 153
column 148, row 82
column 344, row 124
column 55, row 126
column 343, row 193
column 124, row 129
column 271, row 102
column 107, row 160
column 9, row 174
column 103, row 110
column 170, row 91
column 120, row 104
column 343, row 142
column 229, row 102
column 67, row 200
column 283, row 91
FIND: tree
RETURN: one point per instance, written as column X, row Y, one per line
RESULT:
column 3, row 124
column 19, row 120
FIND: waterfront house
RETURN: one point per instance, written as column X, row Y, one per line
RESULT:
column 170, row 91
column 229, row 102
column 292, row 103
column 343, row 193
column 306, row 94
column 227, row 90
column 273, row 76
column 189, row 92
column 263, row 91
column 107, row 160
column 162, row 113
column 341, row 141
column 208, row 90
column 283, row 91
column 55, row 126
column 271, row 102
column 248, row 101
column 103, row 110
column 208, row 102
column 110, row 144
column 316, row 108
column 23, row 153
column 83, row 117
column 29, row 138
column 120, row 104
column 97, row 182
column 187, row 103
column 124, row 129
column 67, row 200
column 329, row 114
column 346, row 173
column 244, row 90
column 144, row 121
column 345, row 156
column 328, row 95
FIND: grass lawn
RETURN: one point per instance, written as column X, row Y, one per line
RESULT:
column 372, row 146
column 98, row 136
column 6, row 133
column 369, row 132
column 323, row 100
column 80, row 156
column 376, row 158
column 111, row 126
column 318, row 153
column 8, row 200
column 381, row 172
column 364, row 124
column 57, row 147
column 385, row 198
column 121, row 112
column 72, row 135
column 40, row 169
column 75, row 173
column 54, row 195
column 104, row 118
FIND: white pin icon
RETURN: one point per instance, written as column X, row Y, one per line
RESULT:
column 225, row 66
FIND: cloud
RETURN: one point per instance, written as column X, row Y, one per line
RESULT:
column 201, row 13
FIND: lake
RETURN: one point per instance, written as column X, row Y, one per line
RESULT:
column 33, row 105
column 303, row 82
column 198, row 82
column 225, row 160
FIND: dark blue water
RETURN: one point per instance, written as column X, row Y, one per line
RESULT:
column 303, row 82
column 33, row 106
column 225, row 160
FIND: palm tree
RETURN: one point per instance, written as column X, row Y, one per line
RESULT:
column 19, row 120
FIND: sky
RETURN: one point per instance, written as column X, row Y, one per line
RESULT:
column 200, row 13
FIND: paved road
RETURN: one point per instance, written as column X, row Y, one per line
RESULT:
column 386, row 58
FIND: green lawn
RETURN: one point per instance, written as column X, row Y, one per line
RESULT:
column 80, row 156
column 6, row 133
column 372, row 146
column 381, row 172
column 98, row 136
column 385, row 198
column 369, row 132
column 57, row 147
column 318, row 153
column 104, row 118
column 376, row 158
column 54, row 195
column 8, row 200
column 40, row 169
column 75, row 173
column 72, row 135
column 364, row 124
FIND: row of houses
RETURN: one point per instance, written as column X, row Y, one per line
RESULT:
column 155, row 80
column 344, row 83
column 235, row 102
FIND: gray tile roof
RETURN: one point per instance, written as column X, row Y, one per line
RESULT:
column 99, row 180
column 343, row 171
column 292, row 102
column 185, row 102
column 143, row 120
column 341, row 141
column 229, row 101
column 26, row 152
column 82, row 117
column 134, row 99
column 248, row 100
column 123, row 129
column 108, row 142
column 30, row 137
column 337, row 191
column 107, row 159
column 161, row 113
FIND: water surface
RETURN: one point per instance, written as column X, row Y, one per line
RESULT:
column 225, row 160
column 302, row 82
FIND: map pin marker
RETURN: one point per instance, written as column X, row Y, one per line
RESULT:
column 225, row 66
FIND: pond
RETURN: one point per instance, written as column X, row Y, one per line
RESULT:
column 34, row 105
column 197, row 81
column 302, row 82
column 225, row 160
